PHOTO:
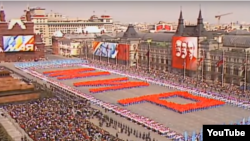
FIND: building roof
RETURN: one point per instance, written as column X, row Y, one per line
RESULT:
column 158, row 37
column 239, row 32
column 236, row 41
column 130, row 32
column 79, row 36
column 66, row 41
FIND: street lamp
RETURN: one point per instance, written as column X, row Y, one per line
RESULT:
column 149, row 43
column 127, row 53
column 137, row 55
column 116, row 58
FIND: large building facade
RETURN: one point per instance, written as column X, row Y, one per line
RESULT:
column 48, row 23
column 18, row 40
column 212, row 47
column 233, row 47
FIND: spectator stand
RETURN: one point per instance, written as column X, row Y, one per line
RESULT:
column 15, row 136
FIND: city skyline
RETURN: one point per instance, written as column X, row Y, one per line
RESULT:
column 139, row 11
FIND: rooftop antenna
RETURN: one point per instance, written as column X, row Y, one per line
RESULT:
column 28, row 6
column 1, row 6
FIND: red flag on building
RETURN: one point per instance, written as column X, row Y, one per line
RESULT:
column 136, row 51
column 200, row 61
column 147, row 54
column 243, row 67
column 219, row 63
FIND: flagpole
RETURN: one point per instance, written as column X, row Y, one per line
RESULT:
column 222, row 71
column 116, row 59
column 245, row 67
column 125, row 55
column 126, row 52
column 100, row 57
column 202, row 66
column 86, row 49
column 149, row 42
column 93, row 49
column 108, row 53
column 137, row 54
column 184, row 69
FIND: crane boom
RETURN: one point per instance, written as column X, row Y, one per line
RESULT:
column 218, row 17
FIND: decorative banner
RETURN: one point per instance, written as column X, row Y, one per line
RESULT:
column 185, row 53
column 105, row 49
column 123, row 52
column 18, row 43
column 200, row 104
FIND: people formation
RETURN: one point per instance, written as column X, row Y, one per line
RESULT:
column 63, row 117
column 177, row 79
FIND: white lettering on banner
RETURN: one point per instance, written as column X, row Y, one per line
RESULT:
column 226, row 132
column 27, row 47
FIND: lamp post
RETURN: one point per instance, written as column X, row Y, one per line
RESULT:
column 127, row 51
column 116, row 58
column 137, row 55
column 148, row 53
column 86, row 49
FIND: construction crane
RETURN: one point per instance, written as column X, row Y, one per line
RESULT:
column 218, row 17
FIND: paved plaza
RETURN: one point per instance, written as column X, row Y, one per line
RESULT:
column 178, row 122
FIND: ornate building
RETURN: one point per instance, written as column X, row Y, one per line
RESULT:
column 234, row 47
column 15, row 28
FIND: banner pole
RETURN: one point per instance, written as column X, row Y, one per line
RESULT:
column 202, row 69
column 245, row 67
column 222, row 71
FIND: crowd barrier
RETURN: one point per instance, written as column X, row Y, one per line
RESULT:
column 25, row 65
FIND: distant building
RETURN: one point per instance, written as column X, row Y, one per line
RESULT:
column 162, row 27
column 71, row 44
column 49, row 23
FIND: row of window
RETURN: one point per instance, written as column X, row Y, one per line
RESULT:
column 229, row 59
column 166, row 51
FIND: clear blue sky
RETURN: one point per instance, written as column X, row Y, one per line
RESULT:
column 140, row 11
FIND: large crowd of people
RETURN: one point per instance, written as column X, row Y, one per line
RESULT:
column 174, row 78
column 59, row 118
column 63, row 117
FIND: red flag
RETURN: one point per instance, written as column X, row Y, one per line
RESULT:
column 147, row 54
column 244, row 64
column 219, row 63
column 135, row 54
column 200, row 61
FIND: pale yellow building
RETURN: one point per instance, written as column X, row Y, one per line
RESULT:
column 49, row 23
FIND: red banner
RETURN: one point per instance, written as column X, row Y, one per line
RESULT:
column 123, row 52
